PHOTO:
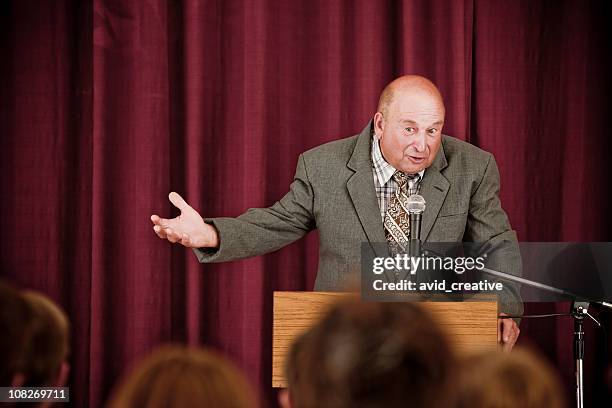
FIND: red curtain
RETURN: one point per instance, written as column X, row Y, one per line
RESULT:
column 106, row 106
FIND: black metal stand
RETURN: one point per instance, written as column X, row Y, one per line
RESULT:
column 578, row 316
column 579, row 311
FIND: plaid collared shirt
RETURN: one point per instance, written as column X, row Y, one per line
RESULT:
column 383, row 179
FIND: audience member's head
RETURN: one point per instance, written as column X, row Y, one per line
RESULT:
column 46, row 354
column 508, row 380
column 175, row 376
column 370, row 355
column 15, row 315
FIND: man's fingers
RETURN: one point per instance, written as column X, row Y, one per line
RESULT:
column 507, row 328
column 159, row 231
column 504, row 329
column 512, row 331
column 178, row 201
column 510, row 334
column 185, row 240
column 171, row 235
column 162, row 222
column 509, row 344
column 161, row 226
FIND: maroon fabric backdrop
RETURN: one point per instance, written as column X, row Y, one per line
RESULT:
column 106, row 106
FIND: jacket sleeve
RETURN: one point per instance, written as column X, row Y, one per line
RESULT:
column 262, row 230
column 488, row 223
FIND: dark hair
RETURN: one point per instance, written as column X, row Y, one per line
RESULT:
column 15, row 316
column 371, row 355
column 48, row 341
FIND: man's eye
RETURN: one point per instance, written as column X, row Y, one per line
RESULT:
column 432, row 131
column 410, row 129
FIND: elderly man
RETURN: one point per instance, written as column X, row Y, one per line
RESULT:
column 346, row 189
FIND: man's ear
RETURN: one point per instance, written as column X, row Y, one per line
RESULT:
column 62, row 375
column 18, row 380
column 284, row 399
column 379, row 125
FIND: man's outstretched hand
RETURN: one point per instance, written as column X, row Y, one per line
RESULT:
column 188, row 229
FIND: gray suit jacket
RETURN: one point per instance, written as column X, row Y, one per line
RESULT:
column 333, row 191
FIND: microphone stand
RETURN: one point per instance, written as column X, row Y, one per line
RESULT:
column 579, row 311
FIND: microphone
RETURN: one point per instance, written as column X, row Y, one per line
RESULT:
column 416, row 206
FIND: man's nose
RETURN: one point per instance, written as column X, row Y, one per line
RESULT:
column 421, row 141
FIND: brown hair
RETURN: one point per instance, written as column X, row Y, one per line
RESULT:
column 508, row 380
column 48, row 340
column 15, row 315
column 371, row 355
column 176, row 376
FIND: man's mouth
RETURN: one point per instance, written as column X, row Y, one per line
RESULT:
column 416, row 160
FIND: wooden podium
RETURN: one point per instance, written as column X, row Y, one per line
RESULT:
column 471, row 325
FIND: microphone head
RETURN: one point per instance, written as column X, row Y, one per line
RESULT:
column 416, row 204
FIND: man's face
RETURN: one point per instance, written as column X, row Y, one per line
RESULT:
column 410, row 132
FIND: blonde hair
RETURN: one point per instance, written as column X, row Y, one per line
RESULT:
column 176, row 376
column 507, row 380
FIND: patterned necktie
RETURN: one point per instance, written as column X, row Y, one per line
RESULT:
column 397, row 218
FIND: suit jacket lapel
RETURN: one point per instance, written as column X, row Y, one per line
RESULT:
column 434, row 188
column 360, row 187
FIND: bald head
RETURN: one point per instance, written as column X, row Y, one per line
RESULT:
column 408, row 86
column 408, row 124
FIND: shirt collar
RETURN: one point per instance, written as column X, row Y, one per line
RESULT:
column 384, row 171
